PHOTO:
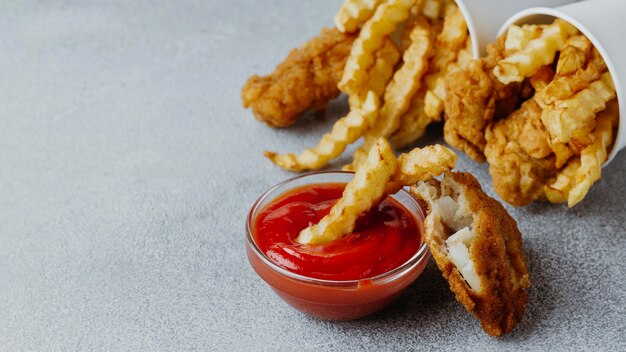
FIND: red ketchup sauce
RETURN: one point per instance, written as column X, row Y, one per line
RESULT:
column 384, row 238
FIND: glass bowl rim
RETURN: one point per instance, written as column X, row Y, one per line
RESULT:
column 393, row 274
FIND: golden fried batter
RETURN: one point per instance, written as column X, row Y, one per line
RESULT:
column 469, row 107
column 478, row 248
column 474, row 97
column 306, row 79
column 513, row 145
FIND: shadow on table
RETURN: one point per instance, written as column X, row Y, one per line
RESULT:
column 605, row 198
column 429, row 305
column 541, row 298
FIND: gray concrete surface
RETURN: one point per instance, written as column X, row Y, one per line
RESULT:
column 127, row 167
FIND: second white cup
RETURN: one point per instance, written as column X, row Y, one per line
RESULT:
column 602, row 21
column 485, row 17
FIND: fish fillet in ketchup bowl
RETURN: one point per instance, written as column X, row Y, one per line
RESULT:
column 345, row 279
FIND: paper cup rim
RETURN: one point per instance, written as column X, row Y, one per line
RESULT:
column 554, row 12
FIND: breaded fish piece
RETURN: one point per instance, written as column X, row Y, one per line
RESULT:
column 520, row 159
column 306, row 79
column 469, row 107
column 475, row 97
column 478, row 248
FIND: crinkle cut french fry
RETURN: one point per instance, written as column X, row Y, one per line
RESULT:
column 454, row 30
column 353, row 13
column 421, row 164
column 403, row 86
column 574, row 181
column 380, row 175
column 577, row 67
column 407, row 80
column 348, row 129
column 464, row 56
column 432, row 9
column 563, row 153
column 573, row 55
column 558, row 190
column 591, row 160
column 574, row 118
column 518, row 37
column 384, row 22
column 413, row 123
column 449, row 42
column 386, row 59
column 361, row 193
column 539, row 52
column 564, row 86
column 345, row 131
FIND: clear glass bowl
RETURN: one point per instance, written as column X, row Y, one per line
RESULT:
column 326, row 299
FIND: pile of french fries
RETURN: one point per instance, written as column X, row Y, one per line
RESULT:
column 577, row 99
column 395, row 80
column 394, row 76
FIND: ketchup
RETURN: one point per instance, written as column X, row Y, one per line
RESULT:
column 384, row 238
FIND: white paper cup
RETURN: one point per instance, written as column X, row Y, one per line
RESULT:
column 604, row 23
column 485, row 17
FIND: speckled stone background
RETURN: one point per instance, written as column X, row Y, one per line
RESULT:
column 127, row 168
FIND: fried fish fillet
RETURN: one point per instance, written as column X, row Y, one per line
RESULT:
column 469, row 107
column 475, row 97
column 307, row 79
column 478, row 248
column 520, row 159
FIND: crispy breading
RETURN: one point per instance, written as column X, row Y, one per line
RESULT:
column 469, row 107
column 534, row 138
column 518, row 177
column 542, row 78
column 306, row 79
column 478, row 248
column 507, row 96
column 474, row 97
